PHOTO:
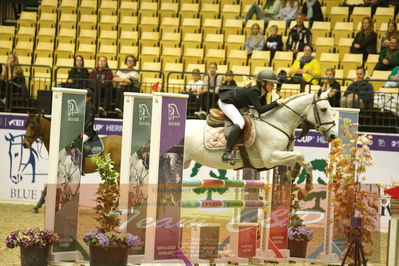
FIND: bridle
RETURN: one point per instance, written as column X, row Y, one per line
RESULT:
column 36, row 125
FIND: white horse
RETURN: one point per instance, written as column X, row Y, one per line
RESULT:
column 274, row 133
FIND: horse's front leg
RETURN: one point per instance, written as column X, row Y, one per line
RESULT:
column 290, row 158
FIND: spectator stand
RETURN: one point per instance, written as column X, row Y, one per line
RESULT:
column 4, row 92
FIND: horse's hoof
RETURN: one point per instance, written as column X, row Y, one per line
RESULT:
column 35, row 210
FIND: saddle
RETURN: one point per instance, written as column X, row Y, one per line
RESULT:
column 95, row 146
column 218, row 127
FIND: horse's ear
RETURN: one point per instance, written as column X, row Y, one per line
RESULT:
column 319, row 92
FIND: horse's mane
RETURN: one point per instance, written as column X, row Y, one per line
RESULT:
column 293, row 97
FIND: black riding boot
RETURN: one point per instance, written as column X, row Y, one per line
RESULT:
column 231, row 141
column 40, row 203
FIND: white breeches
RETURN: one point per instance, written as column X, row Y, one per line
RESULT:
column 232, row 112
column 85, row 138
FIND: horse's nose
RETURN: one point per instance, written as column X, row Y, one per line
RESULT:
column 332, row 137
column 25, row 145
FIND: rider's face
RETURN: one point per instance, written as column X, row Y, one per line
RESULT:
column 269, row 86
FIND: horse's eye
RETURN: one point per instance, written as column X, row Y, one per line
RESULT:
column 323, row 109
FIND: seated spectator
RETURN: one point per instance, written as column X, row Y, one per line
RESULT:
column 212, row 84
column 312, row 10
column 305, row 68
column 299, row 36
column 365, row 41
column 389, row 58
column 78, row 77
column 274, row 42
column 255, row 40
column 14, row 76
column 394, row 79
column 288, row 11
column 126, row 81
column 103, row 85
column 360, row 93
column 230, row 82
column 269, row 12
column 334, row 96
column 195, row 89
column 392, row 31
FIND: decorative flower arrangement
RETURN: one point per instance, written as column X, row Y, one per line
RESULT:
column 107, row 213
column 33, row 237
column 300, row 233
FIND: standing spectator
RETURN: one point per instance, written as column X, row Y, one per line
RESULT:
column 389, row 58
column 255, row 40
column 288, row 11
column 14, row 75
column 274, row 42
column 299, row 35
column 306, row 68
column 393, row 79
column 212, row 84
column 334, row 96
column 269, row 12
column 392, row 31
column 104, row 76
column 195, row 88
column 78, row 77
column 126, row 81
column 312, row 10
column 365, row 41
column 230, row 82
column 360, row 93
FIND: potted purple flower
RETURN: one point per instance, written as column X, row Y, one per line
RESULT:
column 108, row 246
column 34, row 244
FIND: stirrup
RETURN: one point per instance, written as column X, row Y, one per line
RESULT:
column 229, row 158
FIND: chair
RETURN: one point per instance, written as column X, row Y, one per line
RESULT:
column 342, row 30
column 170, row 39
column 7, row 32
column 230, row 11
column 280, row 25
column 46, row 35
column 215, row 55
column 26, row 34
column 257, row 69
column 192, row 40
column 211, row 26
column 108, row 8
column 222, row 69
column 47, row 20
column 351, row 61
column 343, row 47
column 68, row 6
column 235, row 42
column 175, row 85
column 190, row 25
column 148, row 23
column 189, row 10
column 109, row 37
column 27, row 19
column 259, row 59
column 65, row 50
column 147, row 83
column 288, row 90
column 127, row 37
column 213, row 41
column 148, row 9
column 107, row 50
column 328, row 60
column 338, row 14
column 149, row 38
column 108, row 22
column 237, row 57
column 209, row 11
column 282, row 59
column 172, row 67
column 154, row 66
column 86, row 50
column 48, row 6
column 88, row 21
column 248, row 25
column 67, row 21
column 169, row 24
column 87, row 36
column 383, row 15
column 191, row 67
column 244, row 70
column 128, row 23
column 171, row 55
column 149, row 54
column 372, row 60
column 324, row 45
column 5, row 47
column 23, row 48
column 87, row 7
column 63, row 62
column 128, row 8
column 193, row 55
column 168, row 10
column 321, row 29
column 359, row 13
column 377, row 74
column 232, row 26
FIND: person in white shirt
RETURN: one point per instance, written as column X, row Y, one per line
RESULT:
column 195, row 88
column 126, row 81
column 288, row 11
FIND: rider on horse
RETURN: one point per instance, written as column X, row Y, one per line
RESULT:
column 89, row 132
column 231, row 100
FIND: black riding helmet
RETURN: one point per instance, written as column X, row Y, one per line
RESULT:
column 266, row 75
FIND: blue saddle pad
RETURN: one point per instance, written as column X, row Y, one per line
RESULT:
column 96, row 147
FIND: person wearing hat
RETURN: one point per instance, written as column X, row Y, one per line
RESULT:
column 231, row 100
column 89, row 131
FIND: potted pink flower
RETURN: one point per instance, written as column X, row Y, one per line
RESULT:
column 34, row 243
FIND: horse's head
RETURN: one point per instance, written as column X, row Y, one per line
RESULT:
column 32, row 132
column 321, row 116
